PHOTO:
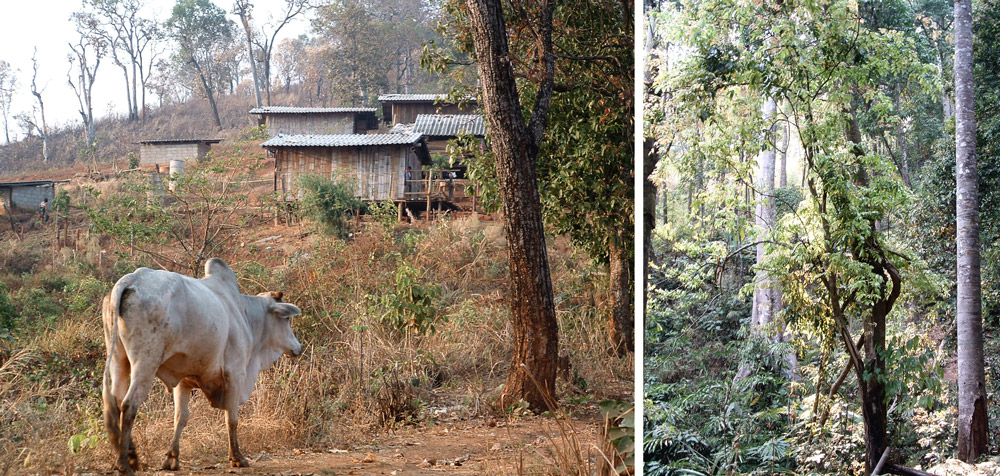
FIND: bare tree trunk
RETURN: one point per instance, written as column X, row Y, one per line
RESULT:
column 767, row 297
column 973, row 426
column 44, row 131
column 515, row 146
column 242, row 8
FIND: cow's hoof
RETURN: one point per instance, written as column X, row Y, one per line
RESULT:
column 240, row 463
column 171, row 464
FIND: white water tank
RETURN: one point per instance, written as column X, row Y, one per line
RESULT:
column 176, row 171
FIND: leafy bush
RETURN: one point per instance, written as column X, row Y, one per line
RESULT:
column 409, row 303
column 329, row 202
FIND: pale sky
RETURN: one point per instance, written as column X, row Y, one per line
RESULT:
column 46, row 24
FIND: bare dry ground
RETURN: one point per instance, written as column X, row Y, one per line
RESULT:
column 525, row 445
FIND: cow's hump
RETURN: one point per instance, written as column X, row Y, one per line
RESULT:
column 218, row 271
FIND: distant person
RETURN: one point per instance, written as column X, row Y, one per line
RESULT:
column 43, row 209
column 409, row 176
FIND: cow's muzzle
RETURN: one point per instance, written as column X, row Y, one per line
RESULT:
column 295, row 352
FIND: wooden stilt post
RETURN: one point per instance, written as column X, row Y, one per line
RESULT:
column 399, row 216
column 430, row 185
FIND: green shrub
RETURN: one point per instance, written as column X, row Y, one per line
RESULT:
column 329, row 202
column 8, row 315
column 409, row 303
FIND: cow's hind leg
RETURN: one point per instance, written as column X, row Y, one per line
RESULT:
column 138, row 390
column 182, row 395
column 116, row 382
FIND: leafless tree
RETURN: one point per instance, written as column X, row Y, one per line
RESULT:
column 133, row 43
column 266, row 41
column 84, row 61
column 43, row 131
column 8, row 83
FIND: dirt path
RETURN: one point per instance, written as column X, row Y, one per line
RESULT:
column 474, row 447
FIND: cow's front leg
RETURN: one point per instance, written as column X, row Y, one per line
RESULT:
column 235, row 456
column 232, row 406
column 182, row 395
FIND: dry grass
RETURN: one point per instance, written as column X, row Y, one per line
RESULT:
column 357, row 377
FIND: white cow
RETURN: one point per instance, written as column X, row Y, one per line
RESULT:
column 191, row 333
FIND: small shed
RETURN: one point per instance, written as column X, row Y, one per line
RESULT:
column 27, row 195
column 404, row 108
column 162, row 151
column 316, row 120
column 440, row 128
column 377, row 164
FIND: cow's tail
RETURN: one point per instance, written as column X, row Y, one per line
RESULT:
column 111, row 313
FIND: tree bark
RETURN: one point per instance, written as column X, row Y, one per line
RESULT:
column 622, row 315
column 973, row 426
column 515, row 146
column 767, row 296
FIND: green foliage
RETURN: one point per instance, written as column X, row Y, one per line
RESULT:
column 331, row 203
column 585, row 164
column 620, row 431
column 8, row 314
column 409, row 303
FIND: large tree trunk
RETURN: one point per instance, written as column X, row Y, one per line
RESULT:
column 515, row 146
column 622, row 315
column 973, row 426
column 767, row 297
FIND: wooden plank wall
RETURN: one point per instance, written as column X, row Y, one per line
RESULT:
column 377, row 173
column 331, row 123
column 406, row 112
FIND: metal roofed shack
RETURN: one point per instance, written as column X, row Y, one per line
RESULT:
column 316, row 120
column 404, row 108
column 376, row 163
column 26, row 195
column 162, row 151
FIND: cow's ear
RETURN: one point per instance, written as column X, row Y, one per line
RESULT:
column 277, row 295
column 285, row 310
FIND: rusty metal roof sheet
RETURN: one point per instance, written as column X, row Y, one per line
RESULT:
column 450, row 124
column 310, row 110
column 340, row 140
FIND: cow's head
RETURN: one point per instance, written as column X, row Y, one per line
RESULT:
column 279, row 333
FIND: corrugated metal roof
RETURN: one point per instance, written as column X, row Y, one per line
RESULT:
column 32, row 183
column 450, row 124
column 180, row 141
column 411, row 97
column 340, row 140
column 309, row 110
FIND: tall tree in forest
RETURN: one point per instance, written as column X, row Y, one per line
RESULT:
column 203, row 33
column 515, row 145
column 84, row 61
column 8, row 84
column 973, row 426
column 839, row 272
column 585, row 183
